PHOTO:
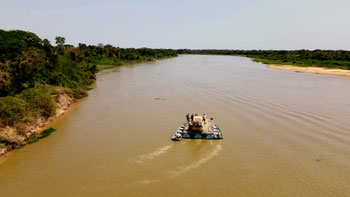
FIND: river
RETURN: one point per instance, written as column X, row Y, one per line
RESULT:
column 285, row 134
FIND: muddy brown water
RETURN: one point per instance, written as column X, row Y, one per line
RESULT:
column 285, row 134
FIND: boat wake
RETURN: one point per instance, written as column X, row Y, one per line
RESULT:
column 146, row 181
column 197, row 164
column 160, row 151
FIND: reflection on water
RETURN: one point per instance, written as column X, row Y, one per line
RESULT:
column 285, row 134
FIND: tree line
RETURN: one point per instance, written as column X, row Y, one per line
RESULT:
column 27, row 61
column 30, row 67
column 319, row 58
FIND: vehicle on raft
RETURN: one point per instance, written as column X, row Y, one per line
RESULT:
column 198, row 127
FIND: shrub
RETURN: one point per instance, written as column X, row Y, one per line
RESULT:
column 36, row 137
column 12, row 110
column 40, row 101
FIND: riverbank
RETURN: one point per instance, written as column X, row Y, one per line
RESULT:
column 314, row 70
column 16, row 136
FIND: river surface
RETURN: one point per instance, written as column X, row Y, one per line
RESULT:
column 285, row 134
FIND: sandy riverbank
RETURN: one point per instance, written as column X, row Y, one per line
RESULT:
column 315, row 70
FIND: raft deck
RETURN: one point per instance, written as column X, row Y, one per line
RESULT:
column 210, row 131
column 208, row 128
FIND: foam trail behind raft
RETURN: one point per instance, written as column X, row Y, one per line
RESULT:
column 160, row 151
column 198, row 163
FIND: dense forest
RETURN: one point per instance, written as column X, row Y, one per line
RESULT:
column 31, row 71
column 320, row 58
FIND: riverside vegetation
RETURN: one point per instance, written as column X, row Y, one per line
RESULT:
column 39, row 81
column 334, row 59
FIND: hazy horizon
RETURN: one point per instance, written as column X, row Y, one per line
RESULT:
column 193, row 24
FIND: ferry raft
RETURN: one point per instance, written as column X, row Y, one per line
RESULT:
column 198, row 127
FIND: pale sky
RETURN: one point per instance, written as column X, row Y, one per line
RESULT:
column 195, row 24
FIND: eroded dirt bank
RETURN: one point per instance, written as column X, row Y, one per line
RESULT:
column 15, row 136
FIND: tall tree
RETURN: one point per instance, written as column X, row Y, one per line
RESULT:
column 60, row 40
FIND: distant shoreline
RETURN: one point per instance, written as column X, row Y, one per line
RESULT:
column 314, row 70
column 329, row 59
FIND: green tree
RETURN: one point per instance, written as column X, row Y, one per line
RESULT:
column 60, row 40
